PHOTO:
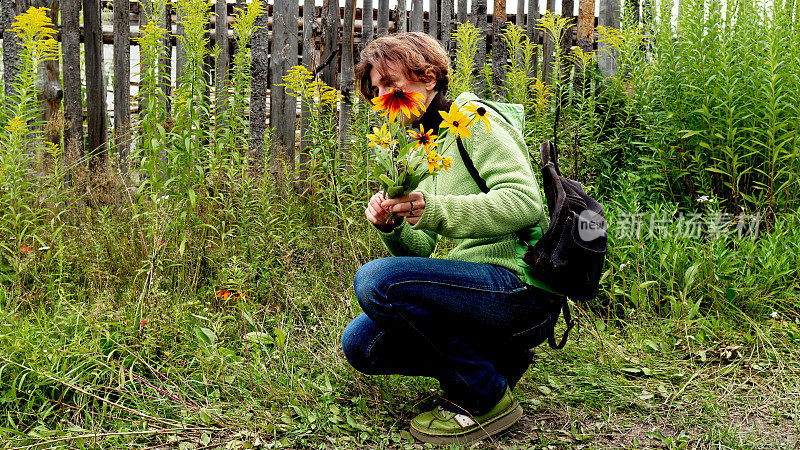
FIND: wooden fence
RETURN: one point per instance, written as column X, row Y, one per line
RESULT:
column 325, row 39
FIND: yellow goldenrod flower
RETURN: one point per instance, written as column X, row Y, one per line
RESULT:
column 456, row 122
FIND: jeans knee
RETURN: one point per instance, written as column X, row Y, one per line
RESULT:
column 368, row 281
column 357, row 340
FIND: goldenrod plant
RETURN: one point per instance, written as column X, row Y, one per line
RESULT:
column 467, row 38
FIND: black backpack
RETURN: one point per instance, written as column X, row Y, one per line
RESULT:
column 569, row 256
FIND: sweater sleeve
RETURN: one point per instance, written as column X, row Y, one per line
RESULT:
column 513, row 201
column 402, row 240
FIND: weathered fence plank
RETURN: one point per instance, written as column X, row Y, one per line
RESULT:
column 73, row 98
column 282, row 107
column 50, row 91
column 367, row 24
column 547, row 48
column 145, row 16
column 96, row 114
column 479, row 10
column 122, row 85
column 402, row 17
column 383, row 17
column 259, row 73
column 417, row 16
column 433, row 19
column 347, row 83
column 221, row 67
column 304, row 169
column 165, row 62
column 11, row 44
column 330, row 37
column 586, row 25
column 447, row 24
column 180, row 49
column 567, row 12
column 606, row 55
column 533, row 33
column 462, row 11
column 520, row 18
column 499, row 52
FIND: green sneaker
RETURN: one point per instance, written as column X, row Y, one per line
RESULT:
column 440, row 426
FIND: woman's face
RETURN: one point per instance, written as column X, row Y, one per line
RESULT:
column 393, row 76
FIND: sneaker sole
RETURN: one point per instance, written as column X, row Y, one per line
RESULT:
column 482, row 432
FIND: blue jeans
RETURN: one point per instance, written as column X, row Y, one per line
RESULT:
column 469, row 325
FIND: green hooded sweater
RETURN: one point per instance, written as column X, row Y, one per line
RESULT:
column 483, row 225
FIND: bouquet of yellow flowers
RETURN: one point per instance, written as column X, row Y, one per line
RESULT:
column 407, row 158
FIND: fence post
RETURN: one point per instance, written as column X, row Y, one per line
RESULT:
column 417, row 16
column 122, row 85
column 165, row 61
column 73, row 98
column 304, row 169
column 479, row 11
column 96, row 114
column 586, row 25
column 533, row 33
column 221, row 68
column 367, row 24
column 567, row 12
column 346, row 86
column 402, row 22
column 499, row 53
column 547, row 48
column 383, row 17
column 330, row 38
column 462, row 11
column 180, row 49
column 282, row 107
column 606, row 55
column 259, row 70
column 50, row 91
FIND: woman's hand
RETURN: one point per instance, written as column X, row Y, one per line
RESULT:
column 376, row 213
column 410, row 207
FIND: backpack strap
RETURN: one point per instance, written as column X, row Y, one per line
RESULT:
column 551, row 340
column 471, row 167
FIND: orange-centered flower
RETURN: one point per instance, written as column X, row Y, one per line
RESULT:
column 433, row 161
column 480, row 113
column 426, row 139
column 399, row 101
column 456, row 122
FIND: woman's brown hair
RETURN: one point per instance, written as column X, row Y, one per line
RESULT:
column 421, row 55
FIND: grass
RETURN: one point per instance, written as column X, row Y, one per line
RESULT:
column 87, row 359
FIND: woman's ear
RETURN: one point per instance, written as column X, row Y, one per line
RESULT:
column 430, row 79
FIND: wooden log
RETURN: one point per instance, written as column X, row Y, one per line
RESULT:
column 330, row 38
column 402, row 17
column 462, row 11
column 499, row 51
column 304, row 169
column 417, row 16
column 433, row 19
column 73, row 98
column 586, row 25
column 347, row 84
column 447, row 25
column 479, row 10
column 383, row 17
column 533, row 33
column 223, row 59
column 165, row 62
column 606, row 55
column 282, row 107
column 547, row 49
column 122, row 85
column 367, row 24
column 259, row 74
